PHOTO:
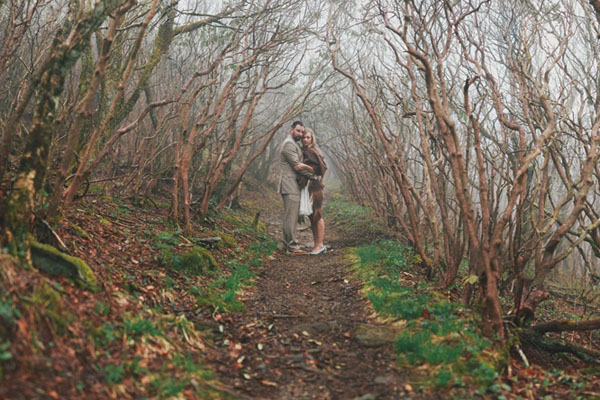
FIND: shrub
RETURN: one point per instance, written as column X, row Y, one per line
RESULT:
column 438, row 331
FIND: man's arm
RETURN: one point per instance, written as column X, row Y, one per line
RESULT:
column 291, row 157
column 303, row 167
column 289, row 153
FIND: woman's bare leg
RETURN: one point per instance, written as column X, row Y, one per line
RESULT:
column 320, row 234
column 313, row 228
column 318, row 229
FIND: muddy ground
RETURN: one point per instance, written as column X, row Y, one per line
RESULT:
column 297, row 338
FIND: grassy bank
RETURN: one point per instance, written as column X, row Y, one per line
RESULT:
column 144, row 332
column 439, row 340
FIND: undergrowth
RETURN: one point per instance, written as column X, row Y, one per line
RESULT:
column 220, row 294
column 357, row 222
column 136, row 338
column 438, row 335
column 217, row 287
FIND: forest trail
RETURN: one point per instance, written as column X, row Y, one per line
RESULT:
column 297, row 338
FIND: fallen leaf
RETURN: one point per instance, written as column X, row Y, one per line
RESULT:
column 70, row 351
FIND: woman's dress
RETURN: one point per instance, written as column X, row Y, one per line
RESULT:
column 313, row 158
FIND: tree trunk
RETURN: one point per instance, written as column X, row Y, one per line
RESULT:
column 82, row 114
column 17, row 210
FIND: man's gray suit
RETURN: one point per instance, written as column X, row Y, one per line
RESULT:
column 289, row 155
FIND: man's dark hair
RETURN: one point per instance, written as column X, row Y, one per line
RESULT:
column 296, row 123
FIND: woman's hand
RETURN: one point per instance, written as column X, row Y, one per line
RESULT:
column 301, row 166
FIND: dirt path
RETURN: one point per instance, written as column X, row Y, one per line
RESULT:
column 296, row 340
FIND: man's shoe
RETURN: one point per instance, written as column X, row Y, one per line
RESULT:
column 316, row 253
column 295, row 251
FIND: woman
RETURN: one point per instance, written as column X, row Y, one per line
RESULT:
column 313, row 162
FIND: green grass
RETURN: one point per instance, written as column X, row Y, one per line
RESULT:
column 138, row 327
column 114, row 373
column 8, row 313
column 439, row 332
column 104, row 334
column 190, row 366
column 220, row 294
column 358, row 221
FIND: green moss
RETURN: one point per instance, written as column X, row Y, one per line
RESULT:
column 14, row 212
column 48, row 303
column 196, row 261
column 104, row 221
column 79, row 231
column 227, row 241
column 49, row 259
column 165, row 205
column 244, row 222
column 593, row 371
column 232, row 219
column 261, row 227
column 87, row 68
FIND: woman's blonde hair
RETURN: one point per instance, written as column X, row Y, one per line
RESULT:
column 312, row 135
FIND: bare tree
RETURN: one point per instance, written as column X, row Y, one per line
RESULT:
column 67, row 45
column 473, row 125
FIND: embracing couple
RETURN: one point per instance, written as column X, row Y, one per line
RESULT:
column 302, row 169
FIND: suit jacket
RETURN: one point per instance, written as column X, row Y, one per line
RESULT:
column 290, row 154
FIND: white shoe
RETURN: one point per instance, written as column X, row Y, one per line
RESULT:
column 316, row 253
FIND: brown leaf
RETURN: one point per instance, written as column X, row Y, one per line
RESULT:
column 70, row 351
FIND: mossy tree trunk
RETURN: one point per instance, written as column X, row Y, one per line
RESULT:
column 83, row 111
column 16, row 211
column 115, row 111
column 122, row 107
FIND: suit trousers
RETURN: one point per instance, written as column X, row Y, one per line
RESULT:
column 291, row 208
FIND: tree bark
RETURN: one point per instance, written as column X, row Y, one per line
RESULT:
column 567, row 325
column 17, row 210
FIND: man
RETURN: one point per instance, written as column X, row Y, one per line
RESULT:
column 290, row 154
